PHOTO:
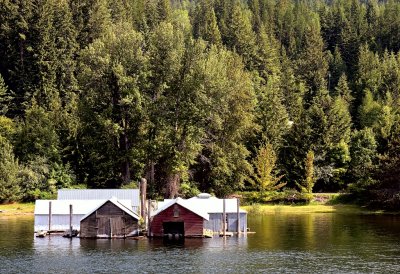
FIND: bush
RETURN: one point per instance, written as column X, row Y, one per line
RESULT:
column 188, row 190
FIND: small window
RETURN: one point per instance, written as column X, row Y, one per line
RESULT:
column 176, row 211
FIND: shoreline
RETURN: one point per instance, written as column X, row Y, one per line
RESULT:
column 265, row 209
column 17, row 209
column 27, row 209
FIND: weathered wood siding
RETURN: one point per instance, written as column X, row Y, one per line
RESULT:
column 193, row 223
column 108, row 221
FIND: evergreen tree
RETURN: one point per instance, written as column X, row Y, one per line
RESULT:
column 205, row 23
column 91, row 19
column 240, row 36
column 5, row 97
column 336, row 69
column 312, row 66
column 342, row 89
column 271, row 113
column 363, row 160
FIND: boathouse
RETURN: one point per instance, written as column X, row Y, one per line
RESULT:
column 56, row 215
column 202, row 214
column 111, row 219
column 178, row 217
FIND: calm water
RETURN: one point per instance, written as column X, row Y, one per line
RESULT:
column 301, row 243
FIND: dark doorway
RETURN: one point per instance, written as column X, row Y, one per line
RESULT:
column 174, row 228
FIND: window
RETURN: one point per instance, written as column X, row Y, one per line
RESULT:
column 176, row 211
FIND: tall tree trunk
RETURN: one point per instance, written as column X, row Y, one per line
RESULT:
column 172, row 186
column 124, row 148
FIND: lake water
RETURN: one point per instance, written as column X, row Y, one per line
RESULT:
column 283, row 243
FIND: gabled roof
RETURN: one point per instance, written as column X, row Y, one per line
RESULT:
column 184, row 203
column 116, row 203
column 79, row 207
column 100, row 194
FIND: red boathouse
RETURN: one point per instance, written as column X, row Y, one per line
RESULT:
column 178, row 218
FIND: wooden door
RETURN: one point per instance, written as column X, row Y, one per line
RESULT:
column 103, row 227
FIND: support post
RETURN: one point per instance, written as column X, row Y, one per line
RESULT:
column 143, row 187
column 49, row 217
column 111, row 230
column 238, row 215
column 223, row 218
column 70, row 221
column 148, row 217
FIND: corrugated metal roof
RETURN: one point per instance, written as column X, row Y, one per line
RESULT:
column 61, row 207
column 100, row 194
column 215, row 205
column 184, row 203
column 117, row 203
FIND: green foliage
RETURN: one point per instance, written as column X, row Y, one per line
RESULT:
column 265, row 164
column 363, row 159
column 309, row 167
column 102, row 93
column 10, row 189
column 5, row 97
column 286, row 196
column 188, row 190
column 37, row 136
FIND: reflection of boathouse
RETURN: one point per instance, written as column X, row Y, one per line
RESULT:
column 197, row 216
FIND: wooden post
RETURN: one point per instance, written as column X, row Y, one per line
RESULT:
column 143, row 187
column 49, row 217
column 223, row 218
column 148, row 217
column 70, row 221
column 109, row 221
column 238, row 215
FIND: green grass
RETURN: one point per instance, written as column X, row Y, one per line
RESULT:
column 321, row 203
column 17, row 209
column 300, row 209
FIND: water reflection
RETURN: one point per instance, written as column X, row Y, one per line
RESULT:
column 282, row 243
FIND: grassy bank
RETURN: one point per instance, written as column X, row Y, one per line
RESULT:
column 17, row 209
column 321, row 203
column 300, row 209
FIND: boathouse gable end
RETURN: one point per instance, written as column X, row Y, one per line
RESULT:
column 175, row 218
column 110, row 220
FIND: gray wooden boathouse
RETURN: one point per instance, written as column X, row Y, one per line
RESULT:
column 110, row 220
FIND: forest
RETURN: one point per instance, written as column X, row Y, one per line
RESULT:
column 265, row 97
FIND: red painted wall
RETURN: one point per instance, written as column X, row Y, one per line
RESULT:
column 193, row 223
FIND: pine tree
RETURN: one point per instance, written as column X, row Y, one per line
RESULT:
column 342, row 89
column 241, row 37
column 336, row 69
column 205, row 23
column 312, row 66
column 5, row 97
column 272, row 115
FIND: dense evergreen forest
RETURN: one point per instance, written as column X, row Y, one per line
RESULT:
column 274, row 96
